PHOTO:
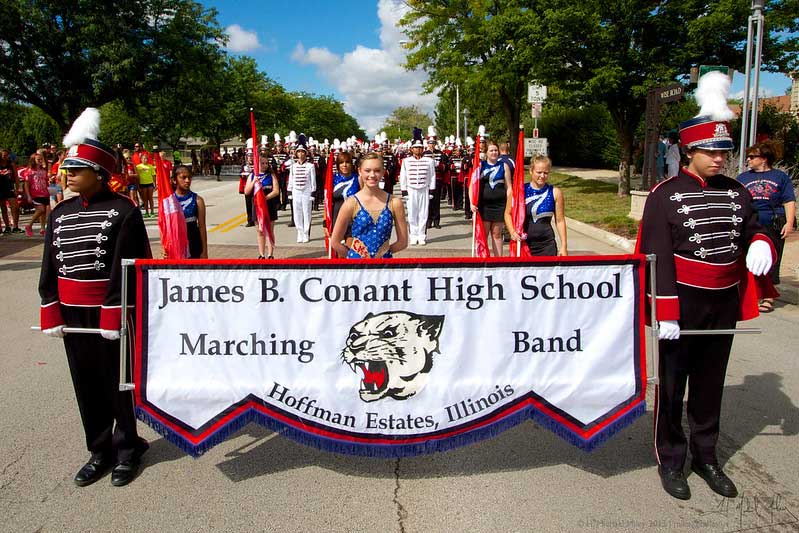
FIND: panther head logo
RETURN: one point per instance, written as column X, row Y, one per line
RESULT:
column 393, row 352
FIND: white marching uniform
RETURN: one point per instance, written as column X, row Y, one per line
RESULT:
column 302, row 183
column 418, row 178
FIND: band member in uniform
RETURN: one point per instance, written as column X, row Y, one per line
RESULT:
column 456, row 178
column 320, row 166
column 441, row 163
column 278, row 158
column 302, row 185
column 80, row 286
column 704, row 231
column 417, row 182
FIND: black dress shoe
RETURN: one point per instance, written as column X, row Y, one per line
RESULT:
column 249, row 224
column 125, row 471
column 92, row 471
column 674, row 483
column 716, row 479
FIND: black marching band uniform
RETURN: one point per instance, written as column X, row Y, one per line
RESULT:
column 700, row 230
column 80, row 286
column 441, row 167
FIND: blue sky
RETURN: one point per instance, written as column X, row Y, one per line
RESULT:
column 350, row 50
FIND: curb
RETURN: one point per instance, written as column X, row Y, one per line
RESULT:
column 627, row 245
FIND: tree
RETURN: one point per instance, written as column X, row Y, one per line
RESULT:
column 400, row 124
column 66, row 55
column 475, row 45
column 118, row 126
column 323, row 117
column 596, row 51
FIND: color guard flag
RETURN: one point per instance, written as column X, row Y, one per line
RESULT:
column 519, row 249
column 479, row 242
column 329, row 204
column 259, row 200
column 171, row 223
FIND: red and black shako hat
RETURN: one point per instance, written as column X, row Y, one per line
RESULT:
column 710, row 130
column 84, row 150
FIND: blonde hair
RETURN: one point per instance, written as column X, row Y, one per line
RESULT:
column 540, row 159
column 370, row 156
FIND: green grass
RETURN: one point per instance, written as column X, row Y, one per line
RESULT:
column 597, row 203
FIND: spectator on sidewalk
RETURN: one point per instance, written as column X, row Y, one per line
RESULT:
column 775, row 201
column 36, row 183
column 9, row 180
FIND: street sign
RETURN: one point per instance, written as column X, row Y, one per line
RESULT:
column 704, row 69
column 670, row 93
column 535, row 147
column 535, row 133
column 536, row 110
column 536, row 94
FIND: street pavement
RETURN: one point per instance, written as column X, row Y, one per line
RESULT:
column 526, row 479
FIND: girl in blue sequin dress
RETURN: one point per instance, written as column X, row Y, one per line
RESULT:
column 496, row 187
column 542, row 202
column 193, row 211
column 373, row 213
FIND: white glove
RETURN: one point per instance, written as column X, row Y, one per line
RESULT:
column 758, row 258
column 57, row 331
column 669, row 330
column 110, row 334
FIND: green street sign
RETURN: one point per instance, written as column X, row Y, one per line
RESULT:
column 704, row 69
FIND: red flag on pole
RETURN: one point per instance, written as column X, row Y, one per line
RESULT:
column 479, row 241
column 171, row 222
column 519, row 249
column 329, row 204
column 259, row 199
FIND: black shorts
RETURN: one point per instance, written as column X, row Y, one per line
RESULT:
column 7, row 194
column 41, row 200
column 146, row 185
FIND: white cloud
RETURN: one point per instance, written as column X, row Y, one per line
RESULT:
column 373, row 82
column 241, row 40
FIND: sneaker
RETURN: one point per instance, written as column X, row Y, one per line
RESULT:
column 413, row 240
column 16, row 230
column 422, row 242
column 29, row 230
column 42, row 231
column 6, row 231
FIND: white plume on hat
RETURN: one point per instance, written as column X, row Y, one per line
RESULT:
column 481, row 131
column 711, row 95
column 336, row 144
column 431, row 131
column 248, row 142
column 292, row 136
column 264, row 140
column 277, row 137
column 86, row 126
column 469, row 141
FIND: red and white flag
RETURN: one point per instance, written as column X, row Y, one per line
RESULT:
column 171, row 222
column 479, row 241
column 329, row 204
column 519, row 249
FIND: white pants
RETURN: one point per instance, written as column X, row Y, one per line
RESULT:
column 418, row 206
column 301, row 210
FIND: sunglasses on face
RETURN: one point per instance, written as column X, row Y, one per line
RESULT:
column 753, row 156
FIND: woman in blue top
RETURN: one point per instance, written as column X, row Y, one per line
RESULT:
column 345, row 183
column 496, row 188
column 193, row 211
column 542, row 202
column 774, row 200
column 266, row 248
column 373, row 214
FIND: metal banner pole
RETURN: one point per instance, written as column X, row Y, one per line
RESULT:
column 124, row 356
column 651, row 260
column 95, row 331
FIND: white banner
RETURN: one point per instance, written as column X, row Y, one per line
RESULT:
column 390, row 358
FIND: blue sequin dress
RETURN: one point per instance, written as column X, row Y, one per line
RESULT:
column 370, row 237
column 189, row 205
column 539, row 209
